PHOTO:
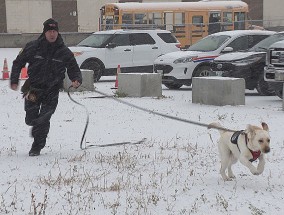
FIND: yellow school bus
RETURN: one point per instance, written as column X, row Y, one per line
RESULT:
column 188, row 21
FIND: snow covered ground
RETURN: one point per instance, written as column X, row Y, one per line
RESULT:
column 175, row 171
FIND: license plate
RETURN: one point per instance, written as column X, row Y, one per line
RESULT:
column 219, row 73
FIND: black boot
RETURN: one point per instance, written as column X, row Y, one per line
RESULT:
column 34, row 152
column 37, row 146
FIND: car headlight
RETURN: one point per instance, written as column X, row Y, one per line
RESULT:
column 246, row 61
column 76, row 54
column 183, row 60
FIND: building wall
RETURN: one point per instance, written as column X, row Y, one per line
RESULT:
column 255, row 9
column 27, row 15
column 89, row 13
column 3, row 21
column 32, row 13
column 65, row 12
column 273, row 13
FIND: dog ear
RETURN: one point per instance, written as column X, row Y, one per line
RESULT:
column 250, row 130
column 264, row 126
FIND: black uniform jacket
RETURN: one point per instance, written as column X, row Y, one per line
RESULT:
column 47, row 64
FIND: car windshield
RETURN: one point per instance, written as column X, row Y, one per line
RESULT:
column 95, row 40
column 264, row 44
column 209, row 43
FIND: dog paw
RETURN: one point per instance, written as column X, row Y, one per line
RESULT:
column 258, row 173
column 227, row 179
column 232, row 176
column 255, row 172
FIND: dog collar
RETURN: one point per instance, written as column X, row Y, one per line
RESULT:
column 255, row 154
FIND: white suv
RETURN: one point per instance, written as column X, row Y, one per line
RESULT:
column 133, row 50
column 178, row 68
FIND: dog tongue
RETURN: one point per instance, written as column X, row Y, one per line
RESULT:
column 255, row 155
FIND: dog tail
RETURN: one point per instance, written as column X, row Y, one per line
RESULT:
column 218, row 126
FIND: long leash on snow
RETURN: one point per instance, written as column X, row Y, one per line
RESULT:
column 86, row 126
column 118, row 144
column 87, row 120
column 209, row 126
column 104, row 95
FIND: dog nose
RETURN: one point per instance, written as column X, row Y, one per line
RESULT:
column 267, row 149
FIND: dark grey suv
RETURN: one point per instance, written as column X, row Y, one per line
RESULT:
column 248, row 65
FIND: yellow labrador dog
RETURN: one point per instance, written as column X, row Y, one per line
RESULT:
column 245, row 146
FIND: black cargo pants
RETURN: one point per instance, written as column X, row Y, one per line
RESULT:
column 38, row 116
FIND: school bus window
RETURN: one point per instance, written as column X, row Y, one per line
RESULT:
column 116, row 18
column 158, row 19
column 214, row 23
column 179, row 25
column 239, row 21
column 227, row 23
column 150, row 18
column 227, row 18
column 139, row 18
column 107, row 19
column 197, row 21
column 127, row 18
column 169, row 21
column 179, row 19
column 108, row 22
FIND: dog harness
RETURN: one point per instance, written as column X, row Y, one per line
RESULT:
column 234, row 140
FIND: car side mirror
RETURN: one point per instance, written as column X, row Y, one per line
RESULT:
column 111, row 45
column 227, row 49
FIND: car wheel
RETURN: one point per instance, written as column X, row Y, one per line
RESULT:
column 263, row 88
column 95, row 66
column 173, row 86
column 279, row 93
column 203, row 71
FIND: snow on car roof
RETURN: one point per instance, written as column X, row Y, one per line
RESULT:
column 131, row 30
column 246, row 32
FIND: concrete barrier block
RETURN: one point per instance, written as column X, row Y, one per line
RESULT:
column 140, row 84
column 87, row 83
column 218, row 91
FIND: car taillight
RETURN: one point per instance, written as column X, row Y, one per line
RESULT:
column 178, row 45
column 76, row 54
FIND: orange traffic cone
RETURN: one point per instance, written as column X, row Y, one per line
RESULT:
column 24, row 73
column 5, row 71
column 116, row 80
